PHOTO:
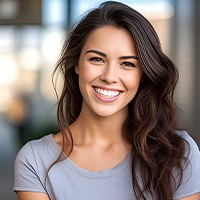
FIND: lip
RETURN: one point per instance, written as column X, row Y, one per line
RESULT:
column 104, row 98
column 107, row 88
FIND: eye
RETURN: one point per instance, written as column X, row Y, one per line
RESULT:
column 96, row 59
column 128, row 64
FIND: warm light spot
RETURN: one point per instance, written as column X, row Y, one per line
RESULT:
column 29, row 58
column 8, row 70
column 51, row 45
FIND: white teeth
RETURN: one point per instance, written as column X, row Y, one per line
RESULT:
column 107, row 93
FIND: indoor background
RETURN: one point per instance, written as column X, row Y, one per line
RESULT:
column 31, row 36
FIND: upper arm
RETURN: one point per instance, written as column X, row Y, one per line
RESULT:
column 189, row 188
column 32, row 196
column 192, row 197
column 28, row 174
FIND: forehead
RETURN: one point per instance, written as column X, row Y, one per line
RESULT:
column 110, row 37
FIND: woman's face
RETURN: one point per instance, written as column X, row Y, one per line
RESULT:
column 109, row 71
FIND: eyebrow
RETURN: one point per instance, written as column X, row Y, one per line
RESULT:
column 104, row 55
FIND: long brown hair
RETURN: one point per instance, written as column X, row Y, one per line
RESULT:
column 152, row 117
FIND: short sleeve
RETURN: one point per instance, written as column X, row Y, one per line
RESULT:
column 26, row 173
column 191, row 175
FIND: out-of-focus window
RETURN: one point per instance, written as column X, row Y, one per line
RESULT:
column 55, row 12
column 159, row 12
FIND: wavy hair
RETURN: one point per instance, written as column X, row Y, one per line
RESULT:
column 152, row 115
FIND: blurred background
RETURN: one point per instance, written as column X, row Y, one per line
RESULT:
column 31, row 36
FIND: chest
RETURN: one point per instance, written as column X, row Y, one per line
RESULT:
column 68, row 181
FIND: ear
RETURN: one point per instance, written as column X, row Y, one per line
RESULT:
column 77, row 69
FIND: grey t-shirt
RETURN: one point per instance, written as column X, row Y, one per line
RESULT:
column 67, row 181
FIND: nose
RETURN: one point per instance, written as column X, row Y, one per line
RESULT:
column 110, row 74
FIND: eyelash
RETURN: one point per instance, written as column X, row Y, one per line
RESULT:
column 128, row 64
column 96, row 59
column 125, row 64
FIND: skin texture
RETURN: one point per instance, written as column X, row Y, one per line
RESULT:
column 32, row 196
column 108, row 71
column 97, row 133
column 98, row 142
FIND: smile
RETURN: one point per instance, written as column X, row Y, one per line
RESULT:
column 107, row 93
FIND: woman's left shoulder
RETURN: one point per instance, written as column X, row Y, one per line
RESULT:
column 191, row 144
column 190, row 183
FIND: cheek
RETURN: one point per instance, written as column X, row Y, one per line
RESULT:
column 132, row 81
column 87, row 73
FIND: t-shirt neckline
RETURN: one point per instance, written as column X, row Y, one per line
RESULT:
column 81, row 171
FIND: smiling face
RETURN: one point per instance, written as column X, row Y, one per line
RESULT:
column 109, row 71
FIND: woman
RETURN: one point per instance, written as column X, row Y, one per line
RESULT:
column 118, row 121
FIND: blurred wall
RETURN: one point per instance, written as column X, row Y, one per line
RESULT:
column 186, row 52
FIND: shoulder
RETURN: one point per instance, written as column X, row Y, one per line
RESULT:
column 190, row 184
column 32, row 164
column 43, row 150
column 192, row 149
column 187, row 137
column 192, row 153
column 35, row 145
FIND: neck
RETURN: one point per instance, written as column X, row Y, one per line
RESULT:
column 91, row 128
